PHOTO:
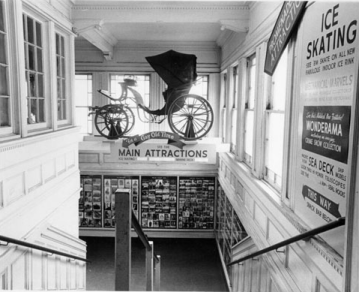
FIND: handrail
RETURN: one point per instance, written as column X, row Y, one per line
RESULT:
column 142, row 235
column 339, row 222
column 39, row 247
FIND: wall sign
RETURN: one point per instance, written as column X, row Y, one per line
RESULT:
column 161, row 152
column 289, row 16
column 327, row 95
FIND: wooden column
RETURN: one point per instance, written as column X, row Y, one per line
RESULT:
column 123, row 241
column 149, row 268
column 158, row 274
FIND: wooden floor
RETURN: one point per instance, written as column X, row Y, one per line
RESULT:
column 186, row 265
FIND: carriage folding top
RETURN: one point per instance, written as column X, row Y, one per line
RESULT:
column 178, row 71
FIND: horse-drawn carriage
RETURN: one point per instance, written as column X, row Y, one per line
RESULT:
column 189, row 115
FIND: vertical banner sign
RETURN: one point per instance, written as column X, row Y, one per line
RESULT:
column 287, row 21
column 327, row 93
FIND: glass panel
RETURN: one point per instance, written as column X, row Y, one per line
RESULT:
column 274, row 142
column 62, row 46
column 64, row 109
column 31, row 50
column 2, row 26
column 3, row 81
column 39, row 60
column 279, row 82
column 24, row 27
column 2, row 49
column 4, row 112
column 63, row 68
column 58, row 68
column 30, row 30
column 41, row 110
column 63, row 89
column 32, row 84
column 40, row 79
column 33, row 111
column 57, row 44
column 26, row 57
column 58, row 88
column 59, row 117
column 38, row 34
column 248, row 135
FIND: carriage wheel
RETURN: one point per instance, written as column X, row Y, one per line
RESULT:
column 131, row 119
column 190, row 116
column 111, row 121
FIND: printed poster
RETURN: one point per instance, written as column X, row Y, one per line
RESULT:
column 327, row 94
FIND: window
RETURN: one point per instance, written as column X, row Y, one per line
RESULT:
column 143, row 87
column 249, row 110
column 224, row 109
column 61, row 78
column 201, row 86
column 5, row 118
column 34, row 70
column 234, row 110
column 83, row 97
column 275, row 109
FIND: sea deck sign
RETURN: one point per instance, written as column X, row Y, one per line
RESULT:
column 327, row 103
column 288, row 18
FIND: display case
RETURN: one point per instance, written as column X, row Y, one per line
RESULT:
column 238, row 231
column 159, row 202
column 90, row 202
column 196, row 203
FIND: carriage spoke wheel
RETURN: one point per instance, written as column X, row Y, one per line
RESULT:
column 111, row 121
column 131, row 119
column 190, row 116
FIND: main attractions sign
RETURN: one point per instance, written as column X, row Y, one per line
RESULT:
column 170, row 149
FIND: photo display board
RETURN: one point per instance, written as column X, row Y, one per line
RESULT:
column 159, row 202
column 97, row 199
column 196, row 203
column 90, row 202
column 111, row 184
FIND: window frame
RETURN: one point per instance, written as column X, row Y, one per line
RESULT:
column 223, row 105
column 234, row 108
column 89, row 101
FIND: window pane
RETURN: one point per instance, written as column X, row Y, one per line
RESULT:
column 3, row 81
column 279, row 81
column 38, row 35
column 4, row 112
column 274, row 144
column 40, row 79
column 30, row 30
column 201, row 87
column 62, row 46
column 57, row 44
column 31, row 57
column 39, row 60
column 2, row 49
column 33, row 111
column 83, row 99
column 2, row 26
column 248, row 135
column 32, row 84
column 41, row 110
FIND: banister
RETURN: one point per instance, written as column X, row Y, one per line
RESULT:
column 141, row 234
column 39, row 247
column 339, row 222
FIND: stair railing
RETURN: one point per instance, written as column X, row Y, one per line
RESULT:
column 303, row 236
column 39, row 247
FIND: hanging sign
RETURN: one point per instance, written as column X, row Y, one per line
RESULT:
column 173, row 139
column 289, row 16
column 160, row 152
column 328, row 92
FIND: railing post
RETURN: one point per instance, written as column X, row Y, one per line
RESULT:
column 123, row 240
column 149, row 268
column 158, row 274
